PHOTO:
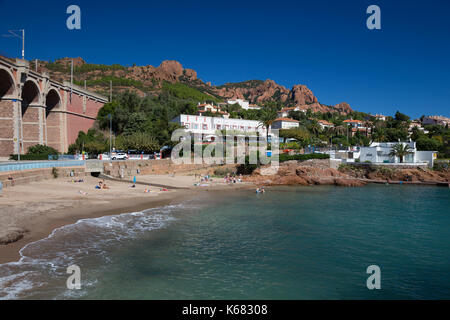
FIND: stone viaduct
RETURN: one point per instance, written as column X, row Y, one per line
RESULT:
column 37, row 110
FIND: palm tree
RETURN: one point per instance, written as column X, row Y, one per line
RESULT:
column 314, row 127
column 267, row 118
column 400, row 150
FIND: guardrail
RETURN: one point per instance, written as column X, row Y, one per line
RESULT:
column 5, row 167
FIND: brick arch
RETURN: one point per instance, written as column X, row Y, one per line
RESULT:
column 31, row 114
column 53, row 120
column 7, row 130
column 7, row 84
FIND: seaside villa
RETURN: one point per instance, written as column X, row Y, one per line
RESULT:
column 210, row 125
column 379, row 152
column 285, row 123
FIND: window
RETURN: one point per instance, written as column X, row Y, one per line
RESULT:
column 205, row 126
column 218, row 127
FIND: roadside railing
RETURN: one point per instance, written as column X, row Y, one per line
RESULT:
column 30, row 165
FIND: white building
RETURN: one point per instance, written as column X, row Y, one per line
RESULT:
column 284, row 113
column 285, row 123
column 244, row 104
column 325, row 124
column 210, row 125
column 379, row 152
column 439, row 120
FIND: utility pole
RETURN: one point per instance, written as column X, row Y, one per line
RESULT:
column 12, row 33
column 71, row 80
column 110, row 136
column 110, row 91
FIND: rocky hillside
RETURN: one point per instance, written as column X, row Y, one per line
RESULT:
column 149, row 79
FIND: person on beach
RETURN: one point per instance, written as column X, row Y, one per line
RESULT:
column 11, row 178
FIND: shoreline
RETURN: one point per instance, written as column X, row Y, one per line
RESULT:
column 70, row 210
column 43, row 228
column 41, row 217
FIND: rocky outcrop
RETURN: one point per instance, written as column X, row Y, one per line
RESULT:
column 300, row 95
column 11, row 235
column 254, row 91
column 343, row 108
column 313, row 172
column 259, row 92
column 77, row 62
column 380, row 173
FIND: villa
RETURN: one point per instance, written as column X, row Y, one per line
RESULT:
column 379, row 152
column 325, row 124
column 284, row 113
column 356, row 125
column 285, row 123
column 244, row 104
column 210, row 125
column 439, row 120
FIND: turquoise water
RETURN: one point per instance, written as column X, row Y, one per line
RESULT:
column 290, row 243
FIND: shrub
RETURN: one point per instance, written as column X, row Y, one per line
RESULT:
column 40, row 149
column 303, row 157
column 223, row 172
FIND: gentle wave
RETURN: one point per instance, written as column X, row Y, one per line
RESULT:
column 43, row 263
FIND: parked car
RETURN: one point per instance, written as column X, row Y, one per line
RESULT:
column 104, row 156
column 119, row 156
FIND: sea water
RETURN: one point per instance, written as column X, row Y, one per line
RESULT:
column 289, row 243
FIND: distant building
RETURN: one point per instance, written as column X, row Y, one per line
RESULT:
column 210, row 125
column 325, row 124
column 439, row 120
column 206, row 107
column 244, row 104
column 380, row 117
column 285, row 123
column 379, row 152
column 284, row 113
column 357, row 125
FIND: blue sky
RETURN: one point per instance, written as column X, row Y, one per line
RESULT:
column 323, row 44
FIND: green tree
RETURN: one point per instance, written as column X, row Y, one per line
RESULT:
column 400, row 150
column 268, row 116
column 40, row 149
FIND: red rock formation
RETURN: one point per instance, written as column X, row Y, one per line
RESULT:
column 300, row 95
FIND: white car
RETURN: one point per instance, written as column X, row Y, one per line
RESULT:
column 119, row 156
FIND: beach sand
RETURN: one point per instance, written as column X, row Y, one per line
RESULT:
column 31, row 212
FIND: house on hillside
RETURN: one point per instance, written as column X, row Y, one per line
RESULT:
column 439, row 120
column 357, row 126
column 325, row 124
column 284, row 113
column 379, row 153
column 285, row 123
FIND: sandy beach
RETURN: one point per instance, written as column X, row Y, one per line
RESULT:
column 31, row 212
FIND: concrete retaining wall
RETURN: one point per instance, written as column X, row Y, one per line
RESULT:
column 27, row 176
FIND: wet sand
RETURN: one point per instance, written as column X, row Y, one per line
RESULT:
column 36, row 209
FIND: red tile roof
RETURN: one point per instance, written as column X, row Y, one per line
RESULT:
column 285, row 119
